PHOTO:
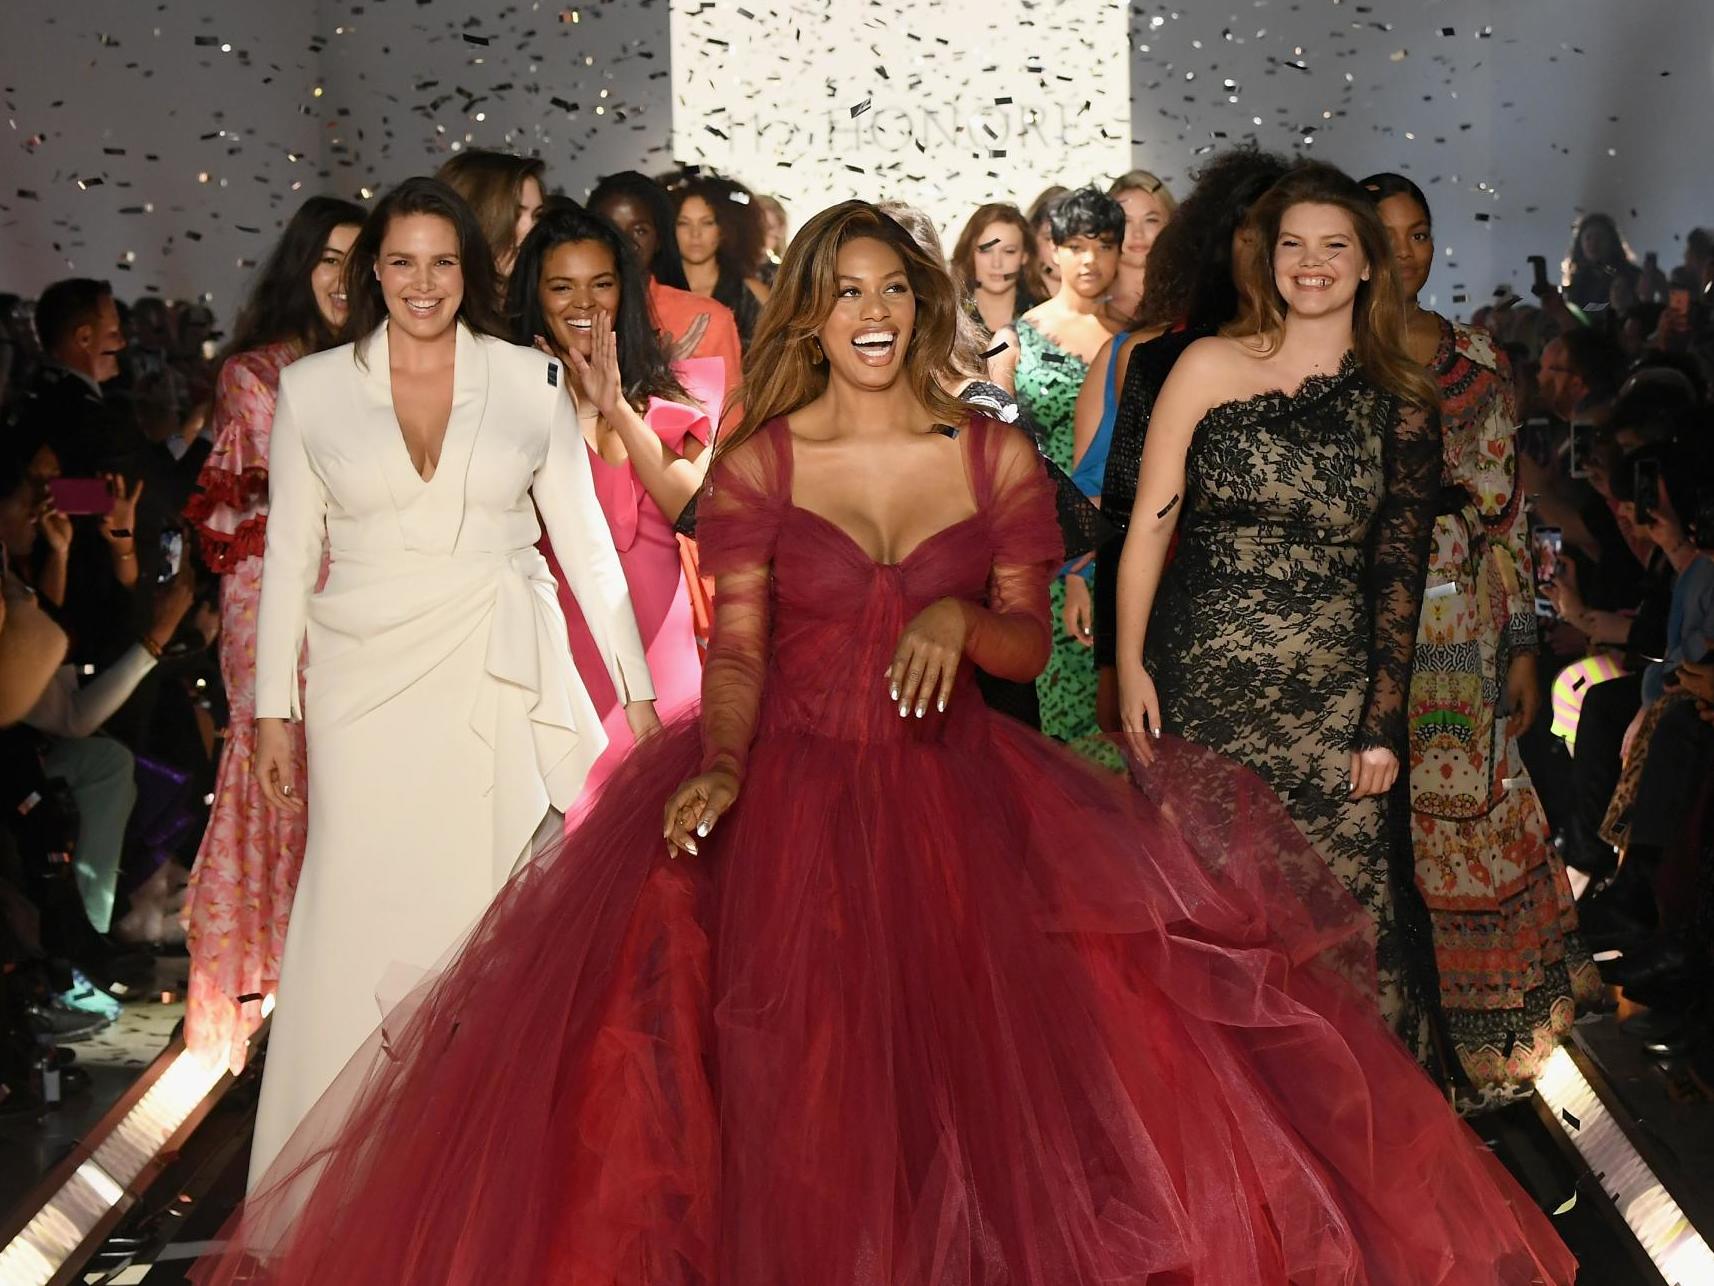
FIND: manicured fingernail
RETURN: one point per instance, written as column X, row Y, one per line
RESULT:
column 689, row 844
column 921, row 710
column 895, row 691
column 1155, row 733
column 702, row 829
column 941, row 705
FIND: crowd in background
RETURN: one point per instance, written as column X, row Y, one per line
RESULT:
column 133, row 505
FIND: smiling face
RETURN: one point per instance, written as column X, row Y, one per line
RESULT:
column 326, row 279
column 1087, row 264
column 697, row 230
column 1412, row 240
column 874, row 313
column 579, row 279
column 998, row 257
column 1318, row 263
column 1144, row 219
column 421, row 275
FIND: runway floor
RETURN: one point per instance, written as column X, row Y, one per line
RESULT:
column 181, row 1211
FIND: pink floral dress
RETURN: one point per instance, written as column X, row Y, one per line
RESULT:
column 246, row 872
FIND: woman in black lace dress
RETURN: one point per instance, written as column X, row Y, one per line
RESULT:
column 1282, row 633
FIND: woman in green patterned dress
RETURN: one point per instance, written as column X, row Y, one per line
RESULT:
column 1513, row 972
column 1047, row 355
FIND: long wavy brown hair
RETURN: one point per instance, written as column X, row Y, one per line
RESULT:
column 1378, row 314
column 782, row 367
column 1031, row 289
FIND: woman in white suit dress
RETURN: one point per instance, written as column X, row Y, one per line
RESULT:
column 444, row 717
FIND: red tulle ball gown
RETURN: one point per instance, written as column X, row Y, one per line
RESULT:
column 938, row 1005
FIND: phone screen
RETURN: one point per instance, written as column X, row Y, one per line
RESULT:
column 1540, row 285
column 1582, row 449
column 1547, row 544
column 1646, row 493
column 172, row 555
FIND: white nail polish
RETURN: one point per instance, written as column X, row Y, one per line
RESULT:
column 702, row 829
column 940, row 706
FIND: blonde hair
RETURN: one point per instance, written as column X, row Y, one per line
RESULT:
column 782, row 369
column 1143, row 181
column 1378, row 313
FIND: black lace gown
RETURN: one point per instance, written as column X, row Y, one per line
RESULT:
column 1283, row 631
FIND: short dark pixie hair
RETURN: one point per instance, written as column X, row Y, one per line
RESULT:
column 1087, row 212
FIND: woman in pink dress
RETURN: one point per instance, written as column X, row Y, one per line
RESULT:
column 894, row 990
column 578, row 293
column 247, row 869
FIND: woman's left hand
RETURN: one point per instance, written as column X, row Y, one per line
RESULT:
column 643, row 720
column 926, row 661
column 598, row 374
column 1079, row 619
column 1373, row 772
column 1523, row 694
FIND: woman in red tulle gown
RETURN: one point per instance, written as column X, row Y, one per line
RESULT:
column 916, row 998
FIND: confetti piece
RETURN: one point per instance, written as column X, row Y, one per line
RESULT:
column 1569, row 1119
column 1567, row 1206
column 859, row 109
column 989, row 244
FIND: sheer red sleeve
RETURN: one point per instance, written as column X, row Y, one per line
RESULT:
column 738, row 520
column 1012, row 636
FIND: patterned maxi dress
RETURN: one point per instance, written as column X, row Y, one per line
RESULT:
column 246, row 871
column 1512, row 970
column 1048, row 380
column 1283, row 630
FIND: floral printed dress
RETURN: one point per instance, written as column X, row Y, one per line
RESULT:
column 246, row 871
column 1048, row 380
column 1512, row 969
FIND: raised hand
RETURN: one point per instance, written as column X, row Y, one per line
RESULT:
column 598, row 374
column 56, row 528
column 123, row 515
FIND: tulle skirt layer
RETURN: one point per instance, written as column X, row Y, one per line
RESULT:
column 937, row 1014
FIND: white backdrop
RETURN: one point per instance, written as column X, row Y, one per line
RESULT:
column 944, row 105
column 1565, row 104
